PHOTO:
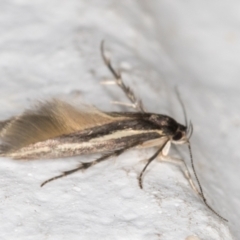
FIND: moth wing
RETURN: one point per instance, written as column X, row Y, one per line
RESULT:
column 50, row 119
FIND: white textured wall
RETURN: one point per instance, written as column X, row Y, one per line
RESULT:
column 51, row 48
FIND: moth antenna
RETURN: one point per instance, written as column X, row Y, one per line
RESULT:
column 190, row 130
column 199, row 185
column 138, row 105
column 182, row 105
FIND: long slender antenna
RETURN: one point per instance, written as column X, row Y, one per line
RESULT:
column 182, row 105
column 199, row 185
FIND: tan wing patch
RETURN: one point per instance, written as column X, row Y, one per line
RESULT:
column 49, row 120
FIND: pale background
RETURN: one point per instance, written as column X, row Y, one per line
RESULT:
column 51, row 48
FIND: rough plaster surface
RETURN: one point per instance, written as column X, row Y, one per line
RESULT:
column 51, row 48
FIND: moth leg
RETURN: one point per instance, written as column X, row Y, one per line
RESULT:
column 82, row 166
column 187, row 174
column 124, row 104
column 90, row 164
column 190, row 180
column 137, row 104
column 130, row 105
column 149, row 161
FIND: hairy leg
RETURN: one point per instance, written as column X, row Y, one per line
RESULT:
column 136, row 103
column 90, row 164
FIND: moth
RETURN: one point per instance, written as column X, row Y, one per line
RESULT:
column 57, row 129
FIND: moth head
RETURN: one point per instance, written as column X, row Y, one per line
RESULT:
column 182, row 134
